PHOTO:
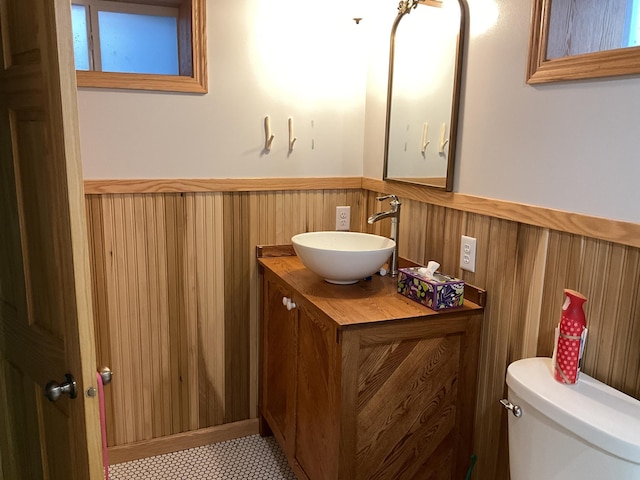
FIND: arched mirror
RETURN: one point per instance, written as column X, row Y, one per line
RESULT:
column 425, row 64
column 577, row 39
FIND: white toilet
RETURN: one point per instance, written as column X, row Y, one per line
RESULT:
column 561, row 432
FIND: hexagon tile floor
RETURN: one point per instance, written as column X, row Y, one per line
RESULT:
column 248, row 458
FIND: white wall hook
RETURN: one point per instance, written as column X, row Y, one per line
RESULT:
column 425, row 142
column 268, row 138
column 443, row 139
column 292, row 139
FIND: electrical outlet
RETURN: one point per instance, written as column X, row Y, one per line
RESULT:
column 343, row 218
column 468, row 253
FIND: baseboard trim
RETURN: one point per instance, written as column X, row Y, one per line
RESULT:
column 182, row 441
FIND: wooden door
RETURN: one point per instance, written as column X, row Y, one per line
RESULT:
column 46, row 326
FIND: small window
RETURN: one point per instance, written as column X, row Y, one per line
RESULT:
column 154, row 45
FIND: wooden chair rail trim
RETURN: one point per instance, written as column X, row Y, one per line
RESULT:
column 182, row 441
column 192, row 185
column 625, row 233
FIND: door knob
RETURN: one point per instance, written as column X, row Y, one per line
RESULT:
column 54, row 390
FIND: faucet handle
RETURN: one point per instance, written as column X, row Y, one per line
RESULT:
column 394, row 199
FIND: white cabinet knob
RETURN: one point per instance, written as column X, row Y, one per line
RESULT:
column 287, row 302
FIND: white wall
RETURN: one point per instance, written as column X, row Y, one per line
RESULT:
column 278, row 57
column 570, row 146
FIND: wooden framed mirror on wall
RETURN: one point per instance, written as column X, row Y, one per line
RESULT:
column 579, row 39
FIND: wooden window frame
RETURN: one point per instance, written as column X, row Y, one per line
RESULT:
column 191, row 52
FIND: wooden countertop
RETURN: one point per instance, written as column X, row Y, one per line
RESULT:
column 367, row 301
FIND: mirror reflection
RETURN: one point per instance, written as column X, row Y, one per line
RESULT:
column 423, row 96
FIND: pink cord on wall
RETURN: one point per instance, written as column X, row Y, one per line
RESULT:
column 103, row 426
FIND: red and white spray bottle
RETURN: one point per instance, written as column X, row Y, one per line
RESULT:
column 570, row 337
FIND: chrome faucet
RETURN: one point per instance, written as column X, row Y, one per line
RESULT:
column 394, row 214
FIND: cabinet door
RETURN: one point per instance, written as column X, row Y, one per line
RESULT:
column 318, row 396
column 406, row 413
column 279, row 364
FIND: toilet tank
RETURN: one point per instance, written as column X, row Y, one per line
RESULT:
column 583, row 431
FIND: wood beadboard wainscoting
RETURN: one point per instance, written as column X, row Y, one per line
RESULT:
column 175, row 292
column 176, row 297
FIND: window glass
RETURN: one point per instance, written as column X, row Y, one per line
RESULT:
column 633, row 25
column 134, row 43
column 80, row 38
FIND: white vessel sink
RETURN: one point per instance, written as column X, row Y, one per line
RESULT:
column 342, row 257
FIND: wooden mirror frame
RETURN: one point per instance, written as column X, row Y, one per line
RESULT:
column 607, row 63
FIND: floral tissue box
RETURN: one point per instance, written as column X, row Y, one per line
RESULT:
column 439, row 292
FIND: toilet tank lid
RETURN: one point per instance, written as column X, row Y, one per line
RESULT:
column 592, row 410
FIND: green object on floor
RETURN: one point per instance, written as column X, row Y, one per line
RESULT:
column 473, row 462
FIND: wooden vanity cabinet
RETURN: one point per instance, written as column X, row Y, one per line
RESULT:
column 359, row 383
